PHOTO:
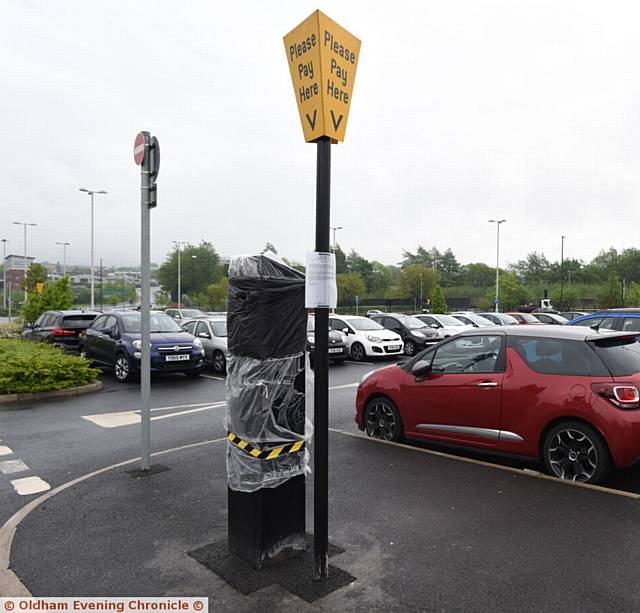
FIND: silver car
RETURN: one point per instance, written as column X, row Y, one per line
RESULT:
column 212, row 331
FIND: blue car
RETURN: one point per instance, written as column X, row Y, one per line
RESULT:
column 113, row 340
column 625, row 320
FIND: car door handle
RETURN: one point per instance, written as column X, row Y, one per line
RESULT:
column 488, row 384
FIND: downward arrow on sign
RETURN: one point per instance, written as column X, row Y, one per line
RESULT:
column 335, row 123
column 312, row 123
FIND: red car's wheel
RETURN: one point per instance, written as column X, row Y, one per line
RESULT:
column 383, row 421
column 575, row 451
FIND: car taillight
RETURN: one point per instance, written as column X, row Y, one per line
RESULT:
column 62, row 332
column 623, row 395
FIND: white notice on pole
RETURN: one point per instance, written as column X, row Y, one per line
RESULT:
column 320, row 286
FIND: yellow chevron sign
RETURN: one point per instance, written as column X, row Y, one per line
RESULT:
column 323, row 58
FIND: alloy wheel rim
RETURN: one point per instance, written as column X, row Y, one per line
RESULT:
column 358, row 353
column 218, row 362
column 410, row 348
column 573, row 456
column 122, row 368
column 381, row 421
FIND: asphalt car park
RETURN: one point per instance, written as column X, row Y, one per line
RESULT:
column 394, row 508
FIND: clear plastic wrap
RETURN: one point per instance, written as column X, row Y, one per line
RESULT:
column 266, row 374
column 266, row 408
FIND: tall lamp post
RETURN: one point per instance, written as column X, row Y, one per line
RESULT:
column 91, row 193
column 24, row 226
column 335, row 229
column 4, row 242
column 179, row 244
column 101, row 281
column 64, row 257
column 562, row 272
column 497, row 298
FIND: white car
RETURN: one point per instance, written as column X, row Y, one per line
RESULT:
column 445, row 325
column 366, row 338
column 212, row 332
column 473, row 319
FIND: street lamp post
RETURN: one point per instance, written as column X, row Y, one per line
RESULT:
column 335, row 229
column 562, row 272
column 4, row 242
column 24, row 226
column 101, row 280
column 178, row 245
column 64, row 257
column 420, row 292
column 497, row 222
column 91, row 193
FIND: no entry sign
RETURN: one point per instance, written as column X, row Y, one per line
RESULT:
column 138, row 149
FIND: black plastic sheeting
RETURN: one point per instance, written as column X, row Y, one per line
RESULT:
column 266, row 314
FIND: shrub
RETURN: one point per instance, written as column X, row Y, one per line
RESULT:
column 438, row 304
column 27, row 367
column 12, row 329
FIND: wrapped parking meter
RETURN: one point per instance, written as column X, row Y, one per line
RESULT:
column 267, row 430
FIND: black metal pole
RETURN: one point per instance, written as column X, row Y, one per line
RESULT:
column 321, row 368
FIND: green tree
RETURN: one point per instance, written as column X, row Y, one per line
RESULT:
column 350, row 285
column 409, row 280
column 534, row 269
column 512, row 292
column 438, row 303
column 430, row 258
column 56, row 295
column 36, row 273
column 217, row 295
column 341, row 261
column 632, row 295
column 197, row 273
column 380, row 279
column 270, row 247
column 449, row 268
column 476, row 275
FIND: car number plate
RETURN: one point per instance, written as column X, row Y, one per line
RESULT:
column 335, row 350
column 393, row 347
column 181, row 357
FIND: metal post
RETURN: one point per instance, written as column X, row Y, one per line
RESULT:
column 145, row 315
column 101, row 281
column 4, row 273
column 562, row 272
column 321, row 385
column 497, row 298
column 25, row 261
column 179, row 288
column 93, row 305
column 420, row 293
column 497, row 268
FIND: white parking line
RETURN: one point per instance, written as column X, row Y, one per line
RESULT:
column 129, row 418
column 4, row 450
column 30, row 485
column 363, row 363
column 345, row 386
column 12, row 466
column 213, row 377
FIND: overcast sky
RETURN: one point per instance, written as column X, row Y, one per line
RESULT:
column 461, row 111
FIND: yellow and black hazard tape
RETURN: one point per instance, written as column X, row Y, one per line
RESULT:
column 265, row 454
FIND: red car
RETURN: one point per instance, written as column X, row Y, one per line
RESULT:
column 526, row 318
column 566, row 395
